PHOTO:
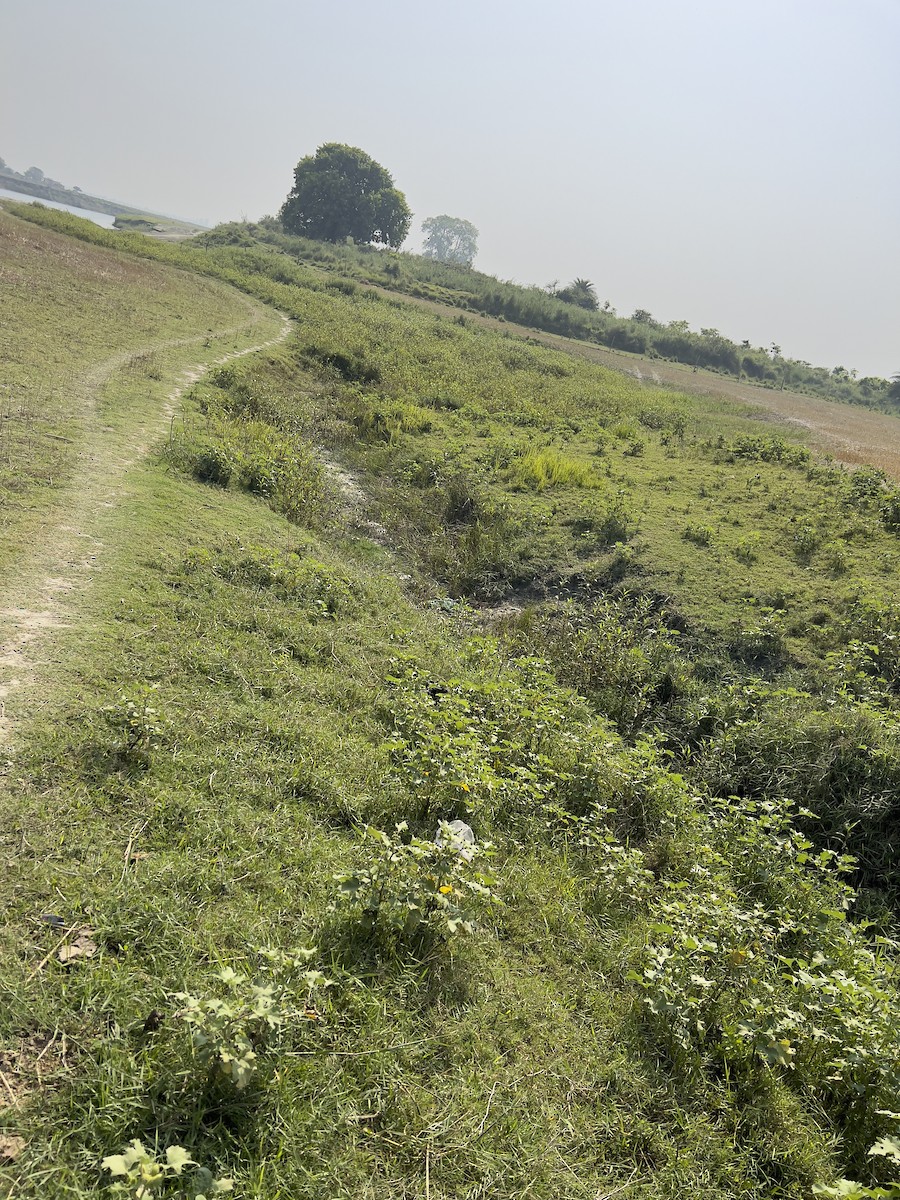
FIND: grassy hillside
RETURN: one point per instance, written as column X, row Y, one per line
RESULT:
column 81, row 325
column 546, row 309
column 537, row 596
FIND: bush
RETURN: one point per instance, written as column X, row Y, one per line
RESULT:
column 211, row 464
column 805, row 542
column 415, row 888
column 700, row 535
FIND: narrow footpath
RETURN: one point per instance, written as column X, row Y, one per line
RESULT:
column 41, row 598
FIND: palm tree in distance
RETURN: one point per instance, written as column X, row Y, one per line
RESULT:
column 581, row 292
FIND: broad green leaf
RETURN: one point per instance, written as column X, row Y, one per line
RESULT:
column 887, row 1147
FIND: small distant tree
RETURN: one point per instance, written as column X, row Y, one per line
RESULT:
column 642, row 317
column 581, row 292
column 450, row 239
column 340, row 192
column 34, row 175
column 894, row 388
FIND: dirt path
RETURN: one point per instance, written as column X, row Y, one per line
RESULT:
column 70, row 549
column 352, row 496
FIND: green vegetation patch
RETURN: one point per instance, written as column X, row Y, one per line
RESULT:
column 298, row 1008
column 249, row 940
column 82, row 325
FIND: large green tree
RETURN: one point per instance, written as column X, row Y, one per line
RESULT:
column 450, row 239
column 341, row 192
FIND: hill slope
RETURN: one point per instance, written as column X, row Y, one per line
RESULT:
column 674, row 996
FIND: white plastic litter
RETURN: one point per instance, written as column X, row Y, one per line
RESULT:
column 458, row 836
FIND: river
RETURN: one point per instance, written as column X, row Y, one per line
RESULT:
column 104, row 219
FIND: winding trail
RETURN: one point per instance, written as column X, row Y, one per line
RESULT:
column 40, row 599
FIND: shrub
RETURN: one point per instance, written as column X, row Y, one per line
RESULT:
column 700, row 535
column 212, row 464
column 621, row 655
column 760, row 640
column 835, row 559
column 416, row 887
column 227, row 1030
column 137, row 724
column 805, row 542
column 889, row 509
column 745, row 549
column 351, row 366
column 142, row 1174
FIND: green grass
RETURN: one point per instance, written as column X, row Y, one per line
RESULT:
column 462, row 287
column 489, row 1060
column 674, row 998
column 81, row 325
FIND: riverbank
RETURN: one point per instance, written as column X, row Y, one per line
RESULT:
column 73, row 199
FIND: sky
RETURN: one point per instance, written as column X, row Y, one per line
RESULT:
column 733, row 163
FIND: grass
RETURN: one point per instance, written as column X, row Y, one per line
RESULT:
column 81, row 325
column 652, row 347
column 486, row 1063
column 674, row 998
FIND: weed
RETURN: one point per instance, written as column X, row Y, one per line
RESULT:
column 137, row 723
column 142, row 1173
column 805, row 541
column 227, row 1031
column 746, row 549
column 417, row 887
column 700, row 535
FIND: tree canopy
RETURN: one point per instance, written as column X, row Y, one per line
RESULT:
column 341, row 192
column 450, row 240
column 580, row 292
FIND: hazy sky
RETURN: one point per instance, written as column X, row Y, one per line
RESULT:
column 732, row 162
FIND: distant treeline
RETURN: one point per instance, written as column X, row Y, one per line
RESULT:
column 540, row 308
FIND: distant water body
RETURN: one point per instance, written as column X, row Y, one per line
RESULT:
column 104, row 219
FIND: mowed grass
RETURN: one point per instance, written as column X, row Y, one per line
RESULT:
column 84, row 325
